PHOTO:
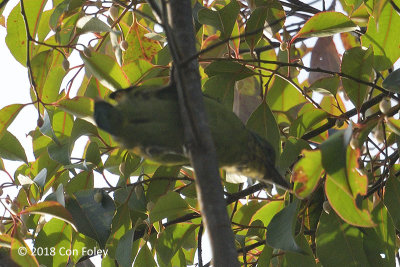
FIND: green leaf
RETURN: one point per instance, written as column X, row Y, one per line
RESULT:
column 140, row 47
column 392, row 81
column 280, row 231
column 221, row 88
column 339, row 244
column 169, row 206
column 7, row 116
column 223, row 19
column 384, row 36
column 267, row 212
column 344, row 185
column 51, row 208
column 262, row 121
column 67, row 7
column 326, row 24
column 135, row 198
column 171, row 240
column 120, row 226
column 11, row 148
column 300, row 260
column 306, row 121
column 22, row 260
column 236, row 70
column 291, row 151
column 306, row 173
column 83, row 181
column 145, row 258
column 92, row 218
column 106, row 70
column 40, row 178
column 55, row 236
column 357, row 63
column 127, row 248
column 255, row 26
column 16, row 33
column 380, row 242
column 91, row 24
column 392, row 199
column 60, row 153
column 323, row 85
column 80, row 106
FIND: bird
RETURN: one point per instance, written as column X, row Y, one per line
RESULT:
column 146, row 120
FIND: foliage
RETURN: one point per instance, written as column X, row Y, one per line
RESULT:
column 336, row 139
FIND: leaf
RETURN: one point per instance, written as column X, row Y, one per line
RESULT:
column 120, row 226
column 237, row 70
column 357, row 63
column 223, row 19
column 106, row 70
column 7, row 116
column 344, row 185
column 60, row 153
column 171, row 240
column 55, row 236
column 325, row 24
column 92, row 218
column 145, row 258
column 305, row 259
column 169, row 206
column 306, row 121
column 392, row 199
column 221, row 88
column 40, row 178
column 16, row 34
column 267, row 212
column 324, row 85
column 394, row 125
column 280, row 231
column 339, row 244
column 91, row 24
column 140, row 46
column 255, row 26
column 27, row 259
column 306, row 173
column 127, row 248
column 392, row 82
column 263, row 122
column 11, row 148
column 80, row 106
column 379, row 242
column 83, row 181
column 384, row 37
column 51, row 208
column 325, row 56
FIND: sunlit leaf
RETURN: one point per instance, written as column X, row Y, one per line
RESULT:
column 307, row 173
column 51, row 208
column 326, row 24
column 7, row 116
column 384, row 36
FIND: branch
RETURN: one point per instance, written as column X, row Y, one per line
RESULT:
column 178, row 26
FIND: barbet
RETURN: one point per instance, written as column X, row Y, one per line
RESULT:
column 146, row 120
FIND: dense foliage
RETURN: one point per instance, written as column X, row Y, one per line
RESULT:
column 336, row 133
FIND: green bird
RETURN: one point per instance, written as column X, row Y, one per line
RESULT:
column 146, row 120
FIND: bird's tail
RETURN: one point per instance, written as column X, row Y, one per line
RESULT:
column 264, row 157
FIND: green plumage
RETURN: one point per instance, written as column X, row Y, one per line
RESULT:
column 147, row 121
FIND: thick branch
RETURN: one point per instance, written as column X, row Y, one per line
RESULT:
column 198, row 140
